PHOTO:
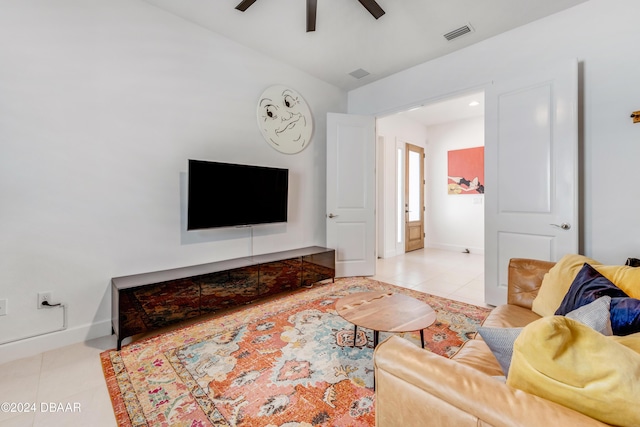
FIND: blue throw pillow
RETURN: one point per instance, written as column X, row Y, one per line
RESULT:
column 588, row 286
column 625, row 316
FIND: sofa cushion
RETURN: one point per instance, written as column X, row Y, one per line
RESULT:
column 509, row 316
column 556, row 283
column 590, row 285
column 477, row 355
column 578, row 368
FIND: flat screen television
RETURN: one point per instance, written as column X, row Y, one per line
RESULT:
column 227, row 195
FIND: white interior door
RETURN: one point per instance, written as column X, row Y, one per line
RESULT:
column 531, row 171
column 351, row 193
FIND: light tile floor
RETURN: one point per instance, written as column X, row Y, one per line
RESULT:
column 73, row 376
column 453, row 275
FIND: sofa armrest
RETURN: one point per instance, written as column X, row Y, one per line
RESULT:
column 415, row 387
column 525, row 278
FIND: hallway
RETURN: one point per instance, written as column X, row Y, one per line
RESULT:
column 448, row 274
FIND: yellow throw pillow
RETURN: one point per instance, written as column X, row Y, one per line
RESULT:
column 625, row 277
column 569, row 363
column 631, row 341
column 556, row 283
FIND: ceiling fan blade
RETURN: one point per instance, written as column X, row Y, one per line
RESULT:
column 312, row 8
column 373, row 7
column 244, row 5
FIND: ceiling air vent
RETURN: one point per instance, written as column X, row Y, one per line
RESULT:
column 465, row 29
column 359, row 73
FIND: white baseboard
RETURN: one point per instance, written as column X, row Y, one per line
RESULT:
column 445, row 247
column 31, row 346
column 457, row 248
column 388, row 254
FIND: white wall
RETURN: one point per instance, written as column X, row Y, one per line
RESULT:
column 101, row 104
column 599, row 34
column 454, row 222
column 396, row 131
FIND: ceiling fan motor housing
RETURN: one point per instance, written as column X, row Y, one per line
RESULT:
column 312, row 6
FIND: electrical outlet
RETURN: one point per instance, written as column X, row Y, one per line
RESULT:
column 3, row 307
column 42, row 297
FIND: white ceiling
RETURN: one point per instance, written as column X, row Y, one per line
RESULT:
column 347, row 37
column 448, row 110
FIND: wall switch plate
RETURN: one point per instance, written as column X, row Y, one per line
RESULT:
column 3, row 307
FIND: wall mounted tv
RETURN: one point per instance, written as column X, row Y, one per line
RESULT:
column 227, row 195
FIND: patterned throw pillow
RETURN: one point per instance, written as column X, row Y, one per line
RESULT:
column 500, row 341
column 596, row 315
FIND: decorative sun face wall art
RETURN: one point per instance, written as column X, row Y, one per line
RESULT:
column 466, row 171
column 284, row 119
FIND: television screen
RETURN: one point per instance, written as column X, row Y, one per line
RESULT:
column 226, row 195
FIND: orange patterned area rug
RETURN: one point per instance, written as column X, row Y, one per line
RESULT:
column 285, row 362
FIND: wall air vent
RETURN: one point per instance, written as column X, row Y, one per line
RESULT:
column 458, row 32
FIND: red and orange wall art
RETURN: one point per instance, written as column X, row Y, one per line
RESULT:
column 466, row 171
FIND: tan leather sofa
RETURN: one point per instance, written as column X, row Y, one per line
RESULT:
column 415, row 387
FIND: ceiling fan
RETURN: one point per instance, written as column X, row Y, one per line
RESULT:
column 312, row 5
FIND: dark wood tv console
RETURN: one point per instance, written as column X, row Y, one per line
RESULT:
column 145, row 302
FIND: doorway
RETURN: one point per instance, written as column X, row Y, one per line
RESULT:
column 454, row 223
column 414, row 198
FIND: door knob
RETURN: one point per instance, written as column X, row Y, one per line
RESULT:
column 332, row 215
column 564, row 226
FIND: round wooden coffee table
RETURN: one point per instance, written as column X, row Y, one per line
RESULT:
column 386, row 312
